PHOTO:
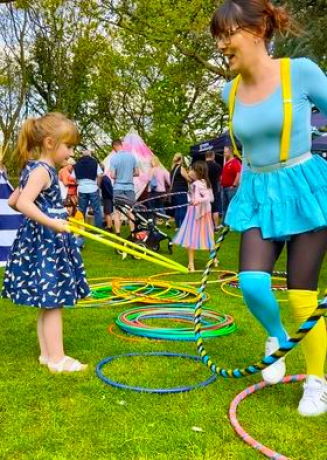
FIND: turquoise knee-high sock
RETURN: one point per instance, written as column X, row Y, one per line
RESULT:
column 258, row 296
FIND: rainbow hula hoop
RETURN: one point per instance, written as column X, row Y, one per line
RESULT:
column 238, row 427
column 267, row 360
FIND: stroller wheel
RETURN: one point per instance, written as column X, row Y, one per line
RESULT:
column 170, row 247
column 155, row 247
column 142, row 245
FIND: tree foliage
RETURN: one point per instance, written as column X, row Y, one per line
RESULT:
column 113, row 65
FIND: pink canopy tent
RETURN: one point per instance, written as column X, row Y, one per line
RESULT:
column 132, row 142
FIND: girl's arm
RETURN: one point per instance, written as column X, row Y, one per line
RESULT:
column 201, row 194
column 12, row 201
column 38, row 181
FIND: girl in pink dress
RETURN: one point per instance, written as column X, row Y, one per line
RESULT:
column 197, row 231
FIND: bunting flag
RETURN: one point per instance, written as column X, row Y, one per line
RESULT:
column 9, row 219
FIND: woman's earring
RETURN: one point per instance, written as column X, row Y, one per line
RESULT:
column 256, row 41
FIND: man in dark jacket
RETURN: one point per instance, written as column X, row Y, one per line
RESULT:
column 214, row 173
column 88, row 174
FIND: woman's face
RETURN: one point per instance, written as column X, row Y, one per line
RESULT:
column 239, row 46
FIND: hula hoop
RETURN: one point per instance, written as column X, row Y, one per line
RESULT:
column 285, row 348
column 124, row 337
column 147, row 200
column 192, row 296
column 216, row 325
column 240, row 296
column 231, row 275
column 238, row 427
column 275, row 287
column 183, row 389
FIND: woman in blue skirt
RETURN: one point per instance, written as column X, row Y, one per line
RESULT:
column 280, row 200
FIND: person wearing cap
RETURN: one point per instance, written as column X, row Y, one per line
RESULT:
column 230, row 177
column 88, row 174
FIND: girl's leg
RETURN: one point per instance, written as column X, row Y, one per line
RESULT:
column 52, row 331
column 190, row 253
column 257, row 259
column 44, row 352
column 305, row 256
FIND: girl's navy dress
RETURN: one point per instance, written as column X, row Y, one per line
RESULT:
column 45, row 269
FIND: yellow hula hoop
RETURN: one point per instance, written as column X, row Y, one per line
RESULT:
column 132, row 297
column 233, row 275
column 239, row 296
column 126, row 246
column 148, row 298
column 152, row 298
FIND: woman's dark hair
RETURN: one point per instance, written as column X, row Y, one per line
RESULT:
column 201, row 170
column 258, row 15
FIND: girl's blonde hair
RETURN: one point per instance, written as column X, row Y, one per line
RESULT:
column 35, row 130
column 155, row 162
column 176, row 158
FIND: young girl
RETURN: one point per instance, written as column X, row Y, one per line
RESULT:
column 197, row 231
column 45, row 269
column 282, row 197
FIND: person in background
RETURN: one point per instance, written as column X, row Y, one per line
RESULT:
column 107, row 198
column 230, row 178
column 197, row 230
column 74, row 212
column 123, row 167
column 66, row 177
column 214, row 174
column 159, row 181
column 179, row 180
column 88, row 175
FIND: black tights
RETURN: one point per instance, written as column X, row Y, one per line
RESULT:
column 305, row 255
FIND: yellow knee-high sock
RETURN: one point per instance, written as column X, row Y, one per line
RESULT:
column 314, row 344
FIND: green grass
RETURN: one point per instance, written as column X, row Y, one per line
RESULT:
column 45, row 416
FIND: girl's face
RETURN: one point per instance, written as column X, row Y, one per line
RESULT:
column 239, row 46
column 63, row 153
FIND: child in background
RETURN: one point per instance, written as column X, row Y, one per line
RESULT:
column 197, row 231
column 45, row 268
column 66, row 177
column 74, row 212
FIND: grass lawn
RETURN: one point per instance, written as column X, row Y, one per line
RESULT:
column 45, row 416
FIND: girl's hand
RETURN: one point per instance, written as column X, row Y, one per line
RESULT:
column 59, row 225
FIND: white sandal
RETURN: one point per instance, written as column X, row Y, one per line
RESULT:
column 43, row 360
column 67, row 364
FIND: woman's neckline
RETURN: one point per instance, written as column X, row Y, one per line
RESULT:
column 276, row 89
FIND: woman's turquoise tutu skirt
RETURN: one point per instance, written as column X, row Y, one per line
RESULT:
column 282, row 203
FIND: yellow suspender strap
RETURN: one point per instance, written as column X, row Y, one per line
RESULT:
column 232, row 98
column 287, row 105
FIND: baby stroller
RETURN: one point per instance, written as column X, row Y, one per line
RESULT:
column 145, row 232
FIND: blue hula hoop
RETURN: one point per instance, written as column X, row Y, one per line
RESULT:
column 183, row 389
